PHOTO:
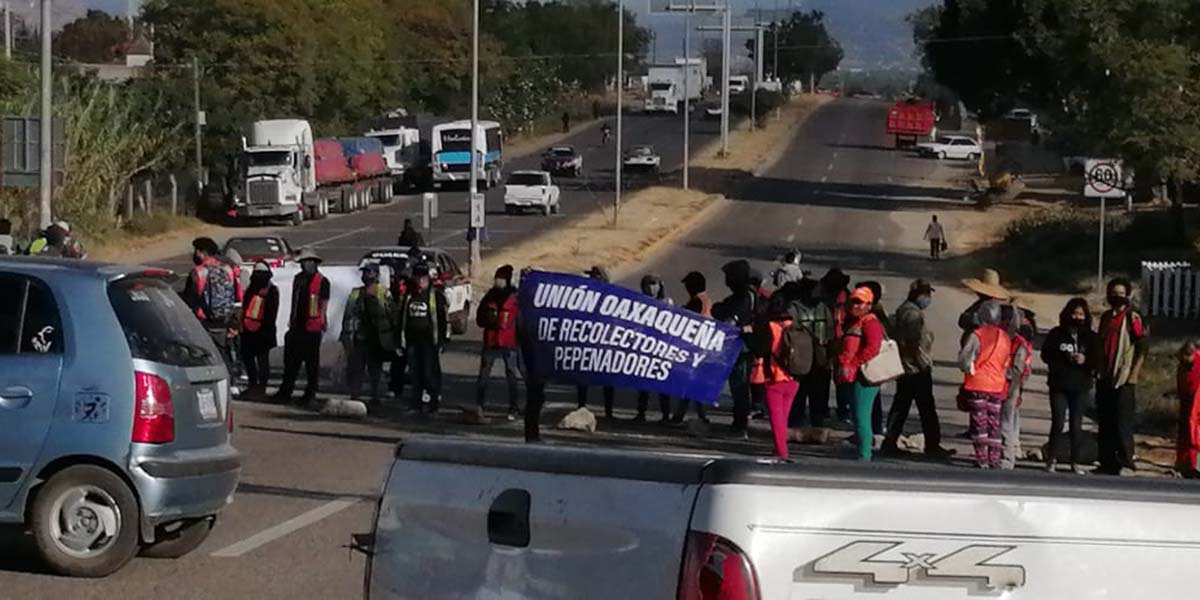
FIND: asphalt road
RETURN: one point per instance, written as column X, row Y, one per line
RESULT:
column 342, row 239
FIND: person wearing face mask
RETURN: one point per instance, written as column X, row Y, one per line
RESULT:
column 598, row 273
column 497, row 317
column 738, row 309
column 863, row 338
column 698, row 302
column 1123, row 337
column 652, row 286
column 423, row 325
column 1022, row 319
column 1071, row 352
column 258, row 337
column 808, row 312
column 915, row 341
column 789, row 270
column 367, row 333
column 307, row 323
column 985, row 360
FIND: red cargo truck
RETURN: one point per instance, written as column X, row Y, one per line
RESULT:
column 910, row 120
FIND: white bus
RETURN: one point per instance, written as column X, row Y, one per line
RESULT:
column 451, row 154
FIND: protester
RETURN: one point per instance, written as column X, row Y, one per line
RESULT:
column 424, row 330
column 835, row 296
column 915, row 341
column 780, row 385
column 307, row 322
column 7, row 244
column 862, row 340
column 1020, row 369
column 211, row 291
column 497, row 317
column 410, row 237
column 367, row 333
column 877, row 309
column 401, row 274
column 1071, row 352
column 810, row 313
column 698, row 302
column 758, row 380
column 986, row 287
column 652, row 286
column 259, row 333
column 737, row 309
column 1123, row 334
column 1187, row 441
column 58, row 243
column 985, row 360
column 598, row 273
column 789, row 270
column 535, row 387
column 936, row 235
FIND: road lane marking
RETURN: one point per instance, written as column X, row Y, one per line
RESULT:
column 824, row 178
column 337, row 237
column 835, row 156
column 791, row 238
column 830, row 167
column 291, row 525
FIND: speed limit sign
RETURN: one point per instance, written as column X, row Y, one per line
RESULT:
column 1103, row 178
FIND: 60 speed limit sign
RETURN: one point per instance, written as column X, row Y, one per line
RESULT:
column 1103, row 178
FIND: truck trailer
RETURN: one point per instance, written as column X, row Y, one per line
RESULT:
column 669, row 85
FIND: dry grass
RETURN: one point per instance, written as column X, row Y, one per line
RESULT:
column 750, row 150
column 150, row 238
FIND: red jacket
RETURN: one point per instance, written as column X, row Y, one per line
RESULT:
column 1187, row 445
column 497, row 316
column 860, row 344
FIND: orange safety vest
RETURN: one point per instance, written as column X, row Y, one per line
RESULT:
column 314, row 317
column 252, row 317
column 774, row 373
column 991, row 366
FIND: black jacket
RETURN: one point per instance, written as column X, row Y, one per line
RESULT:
column 1060, row 344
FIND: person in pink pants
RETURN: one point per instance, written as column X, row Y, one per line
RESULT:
column 780, row 385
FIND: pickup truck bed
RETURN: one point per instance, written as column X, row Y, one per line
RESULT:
column 471, row 519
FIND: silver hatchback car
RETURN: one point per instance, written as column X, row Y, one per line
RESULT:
column 115, row 417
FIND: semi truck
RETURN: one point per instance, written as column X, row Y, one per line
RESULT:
column 451, row 153
column 669, row 85
column 291, row 175
column 401, row 139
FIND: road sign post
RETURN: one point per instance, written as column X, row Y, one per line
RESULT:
column 1104, row 178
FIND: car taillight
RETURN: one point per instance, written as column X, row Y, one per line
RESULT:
column 716, row 569
column 153, row 414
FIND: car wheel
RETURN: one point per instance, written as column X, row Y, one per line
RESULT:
column 554, row 209
column 298, row 217
column 178, row 539
column 941, row 155
column 85, row 522
column 973, row 157
column 545, row 210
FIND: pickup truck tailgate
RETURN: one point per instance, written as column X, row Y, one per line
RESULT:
column 490, row 520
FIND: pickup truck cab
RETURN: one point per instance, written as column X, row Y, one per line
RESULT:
column 531, row 189
column 444, row 271
column 475, row 519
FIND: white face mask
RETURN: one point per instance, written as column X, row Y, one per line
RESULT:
column 500, row 283
column 653, row 289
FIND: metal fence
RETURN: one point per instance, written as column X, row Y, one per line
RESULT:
column 169, row 193
column 1170, row 289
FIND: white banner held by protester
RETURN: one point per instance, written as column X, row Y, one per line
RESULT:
column 342, row 279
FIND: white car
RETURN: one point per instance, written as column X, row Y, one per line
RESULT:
column 642, row 158
column 1024, row 114
column 531, row 189
column 713, row 112
column 951, row 146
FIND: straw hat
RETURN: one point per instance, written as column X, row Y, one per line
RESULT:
column 308, row 254
column 987, row 284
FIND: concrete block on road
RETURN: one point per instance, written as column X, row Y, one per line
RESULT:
column 344, row 409
column 580, row 419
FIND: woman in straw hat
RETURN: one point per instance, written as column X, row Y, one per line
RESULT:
column 986, row 287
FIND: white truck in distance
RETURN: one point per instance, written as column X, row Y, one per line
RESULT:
column 278, row 166
column 401, row 141
column 670, row 84
column 531, row 189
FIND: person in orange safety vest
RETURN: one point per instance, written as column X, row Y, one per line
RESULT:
column 985, row 360
column 260, row 308
column 306, row 325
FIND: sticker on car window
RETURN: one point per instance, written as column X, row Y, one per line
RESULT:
column 90, row 408
column 139, row 296
column 42, row 341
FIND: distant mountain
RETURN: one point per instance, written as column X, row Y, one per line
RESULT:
column 873, row 33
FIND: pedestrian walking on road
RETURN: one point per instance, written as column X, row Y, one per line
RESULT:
column 598, row 273
column 985, row 360
column 1187, row 441
column 698, row 302
column 566, row 122
column 367, row 333
column 936, row 235
column 863, row 338
column 307, row 323
column 535, row 387
column 410, row 237
column 424, row 330
column 738, row 309
column 915, row 341
column 652, row 286
column 789, row 270
column 497, row 317
column 1071, row 352
column 1018, row 373
column 259, row 335
column 835, row 296
column 780, row 386
column 811, row 405
column 1123, row 335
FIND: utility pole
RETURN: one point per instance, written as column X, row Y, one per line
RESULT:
column 620, row 96
column 8, row 31
column 47, row 133
column 726, row 25
column 687, row 92
column 198, row 133
column 473, row 264
column 775, row 26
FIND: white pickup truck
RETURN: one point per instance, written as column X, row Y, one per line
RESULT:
column 471, row 519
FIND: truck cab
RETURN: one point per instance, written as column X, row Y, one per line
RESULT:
column 278, row 168
column 401, row 148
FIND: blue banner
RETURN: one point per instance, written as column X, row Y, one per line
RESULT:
column 588, row 332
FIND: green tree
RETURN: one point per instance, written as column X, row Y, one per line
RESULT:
column 96, row 37
column 806, row 49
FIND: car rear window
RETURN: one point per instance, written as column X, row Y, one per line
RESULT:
column 525, row 179
column 158, row 325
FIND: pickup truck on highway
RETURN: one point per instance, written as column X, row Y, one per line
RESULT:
column 474, row 519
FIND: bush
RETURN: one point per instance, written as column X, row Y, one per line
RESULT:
column 765, row 102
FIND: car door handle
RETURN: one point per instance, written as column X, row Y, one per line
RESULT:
column 14, row 397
